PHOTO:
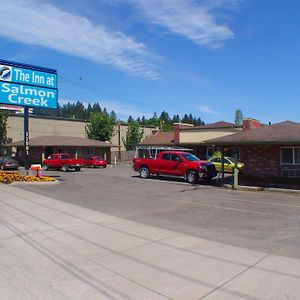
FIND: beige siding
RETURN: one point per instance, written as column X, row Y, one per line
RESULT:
column 120, row 134
column 197, row 136
column 44, row 127
column 54, row 127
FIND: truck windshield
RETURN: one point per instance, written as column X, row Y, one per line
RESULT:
column 190, row 157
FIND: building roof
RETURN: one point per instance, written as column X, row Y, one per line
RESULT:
column 33, row 116
column 280, row 133
column 216, row 125
column 64, row 141
column 160, row 138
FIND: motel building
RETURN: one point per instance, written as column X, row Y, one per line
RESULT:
column 42, row 147
column 48, row 135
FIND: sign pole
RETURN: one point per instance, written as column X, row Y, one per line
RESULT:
column 235, row 170
column 26, row 139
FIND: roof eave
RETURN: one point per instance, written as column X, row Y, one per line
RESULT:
column 209, row 128
column 229, row 143
column 57, row 145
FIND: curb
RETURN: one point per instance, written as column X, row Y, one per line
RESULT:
column 262, row 189
column 35, row 182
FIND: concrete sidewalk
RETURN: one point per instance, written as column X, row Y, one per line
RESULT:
column 54, row 250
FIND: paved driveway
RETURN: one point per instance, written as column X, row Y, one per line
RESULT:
column 263, row 221
column 113, row 236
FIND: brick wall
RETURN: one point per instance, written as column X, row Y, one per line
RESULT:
column 261, row 160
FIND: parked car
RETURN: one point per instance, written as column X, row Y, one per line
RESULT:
column 96, row 161
column 175, row 163
column 8, row 163
column 62, row 161
column 228, row 164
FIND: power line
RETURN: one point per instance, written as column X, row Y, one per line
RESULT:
column 112, row 94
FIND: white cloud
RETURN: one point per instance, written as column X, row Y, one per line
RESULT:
column 36, row 23
column 206, row 109
column 188, row 18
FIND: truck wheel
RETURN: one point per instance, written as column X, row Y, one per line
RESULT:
column 45, row 167
column 65, row 168
column 77, row 169
column 191, row 177
column 144, row 172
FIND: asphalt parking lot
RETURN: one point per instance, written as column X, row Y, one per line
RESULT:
column 268, row 222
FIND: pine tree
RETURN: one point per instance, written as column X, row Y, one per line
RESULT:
column 185, row 119
column 113, row 116
column 154, row 121
column 175, row 119
column 238, row 117
column 105, row 111
column 130, row 120
column 96, row 108
column 89, row 111
column 144, row 121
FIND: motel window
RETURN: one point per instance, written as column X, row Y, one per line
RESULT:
column 297, row 155
column 290, row 155
column 91, row 151
column 62, row 150
column 209, row 152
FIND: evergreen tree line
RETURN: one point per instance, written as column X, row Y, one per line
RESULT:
column 79, row 111
column 165, row 122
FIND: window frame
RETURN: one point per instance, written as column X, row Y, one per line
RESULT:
column 62, row 150
column 91, row 151
column 294, row 161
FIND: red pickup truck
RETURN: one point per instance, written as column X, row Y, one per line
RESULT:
column 63, row 161
column 175, row 163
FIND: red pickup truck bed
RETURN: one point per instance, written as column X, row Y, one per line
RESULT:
column 63, row 161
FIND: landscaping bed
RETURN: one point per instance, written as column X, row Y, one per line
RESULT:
column 10, row 177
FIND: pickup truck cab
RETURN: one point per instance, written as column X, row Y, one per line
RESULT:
column 95, row 161
column 175, row 163
column 62, row 161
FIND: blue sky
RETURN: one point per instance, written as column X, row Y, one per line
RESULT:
column 135, row 57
